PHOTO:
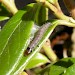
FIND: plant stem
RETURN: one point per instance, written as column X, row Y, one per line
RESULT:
column 10, row 5
column 70, row 4
column 58, row 13
column 46, row 13
column 55, row 9
column 23, row 73
column 50, row 53
column 48, row 50
column 66, row 23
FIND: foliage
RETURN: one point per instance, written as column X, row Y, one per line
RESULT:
column 64, row 66
column 15, row 38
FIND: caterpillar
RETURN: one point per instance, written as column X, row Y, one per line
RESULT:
column 37, row 37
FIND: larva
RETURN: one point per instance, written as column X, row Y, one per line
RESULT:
column 38, row 37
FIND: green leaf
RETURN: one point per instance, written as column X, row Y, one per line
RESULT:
column 14, row 38
column 42, row 16
column 11, row 51
column 8, row 29
column 37, row 60
column 70, row 70
column 42, row 41
column 59, row 67
column 3, row 18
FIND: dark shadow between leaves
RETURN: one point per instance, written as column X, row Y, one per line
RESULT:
column 65, row 64
column 31, row 12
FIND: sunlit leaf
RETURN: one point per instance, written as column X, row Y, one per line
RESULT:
column 37, row 60
column 3, row 18
column 14, row 38
column 36, row 50
column 60, row 67
column 70, row 70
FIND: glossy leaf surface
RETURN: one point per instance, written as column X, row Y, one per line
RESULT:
column 3, row 18
column 62, row 67
column 37, row 48
column 70, row 70
column 14, row 39
column 38, row 60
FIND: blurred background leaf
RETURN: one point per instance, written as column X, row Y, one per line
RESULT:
column 59, row 68
column 4, row 14
column 38, row 60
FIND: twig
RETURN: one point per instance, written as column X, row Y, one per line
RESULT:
column 50, row 53
column 70, row 4
column 10, row 5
